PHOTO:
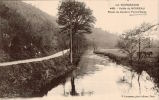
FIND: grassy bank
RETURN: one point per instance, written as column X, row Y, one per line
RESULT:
column 152, row 68
column 27, row 79
column 33, row 79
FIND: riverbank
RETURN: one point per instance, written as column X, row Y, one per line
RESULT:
column 34, row 79
column 98, row 77
column 152, row 68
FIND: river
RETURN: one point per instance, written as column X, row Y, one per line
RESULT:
column 97, row 77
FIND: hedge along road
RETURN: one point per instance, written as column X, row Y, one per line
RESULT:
column 58, row 54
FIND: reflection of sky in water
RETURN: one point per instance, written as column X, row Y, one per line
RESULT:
column 109, row 81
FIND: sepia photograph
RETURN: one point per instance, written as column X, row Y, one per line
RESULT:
column 79, row 49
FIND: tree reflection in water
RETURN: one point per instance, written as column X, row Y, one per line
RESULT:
column 73, row 88
column 73, row 91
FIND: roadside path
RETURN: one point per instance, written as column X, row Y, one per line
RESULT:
column 58, row 54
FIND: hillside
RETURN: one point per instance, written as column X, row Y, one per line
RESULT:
column 105, row 39
column 154, row 35
column 26, row 31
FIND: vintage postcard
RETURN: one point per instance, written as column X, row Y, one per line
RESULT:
column 79, row 49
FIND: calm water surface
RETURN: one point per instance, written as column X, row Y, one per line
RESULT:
column 97, row 78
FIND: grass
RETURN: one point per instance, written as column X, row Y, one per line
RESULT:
column 27, row 79
column 113, row 51
column 152, row 68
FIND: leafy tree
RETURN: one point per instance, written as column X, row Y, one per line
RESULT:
column 128, row 43
column 135, row 41
column 74, row 17
column 143, row 39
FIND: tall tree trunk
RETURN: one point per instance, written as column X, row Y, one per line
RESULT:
column 139, row 49
column 94, row 48
column 130, row 59
column 77, row 46
column 71, row 47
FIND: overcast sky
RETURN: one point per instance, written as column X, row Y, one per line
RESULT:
column 111, row 22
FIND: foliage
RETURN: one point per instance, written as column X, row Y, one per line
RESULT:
column 105, row 38
column 150, row 67
column 74, row 15
column 26, row 32
column 128, row 43
column 30, row 33
column 74, row 18
column 134, row 40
